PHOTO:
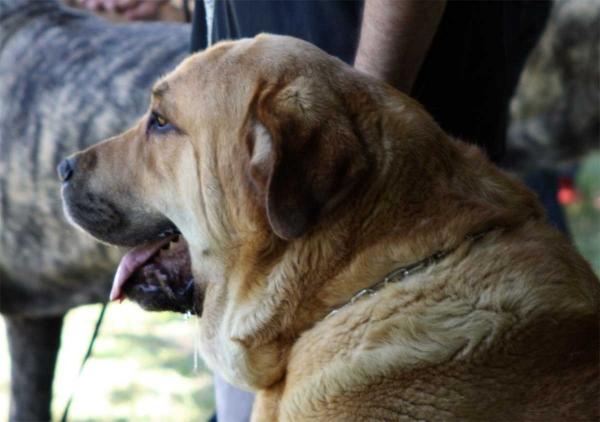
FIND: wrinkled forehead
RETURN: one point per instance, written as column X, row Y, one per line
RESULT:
column 222, row 79
column 205, row 70
column 211, row 81
column 230, row 64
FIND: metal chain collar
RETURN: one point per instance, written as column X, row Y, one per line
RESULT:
column 401, row 273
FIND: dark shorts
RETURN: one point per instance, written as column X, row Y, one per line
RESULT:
column 467, row 78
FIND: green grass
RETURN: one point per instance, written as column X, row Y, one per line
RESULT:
column 142, row 368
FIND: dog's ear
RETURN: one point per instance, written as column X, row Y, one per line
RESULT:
column 305, row 154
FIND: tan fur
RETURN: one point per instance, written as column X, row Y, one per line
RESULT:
column 297, row 182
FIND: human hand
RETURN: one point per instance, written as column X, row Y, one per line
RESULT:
column 132, row 9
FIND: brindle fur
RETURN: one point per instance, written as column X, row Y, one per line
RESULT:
column 67, row 80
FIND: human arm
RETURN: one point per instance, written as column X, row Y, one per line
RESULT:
column 394, row 38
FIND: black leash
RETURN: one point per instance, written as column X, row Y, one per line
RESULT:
column 87, row 355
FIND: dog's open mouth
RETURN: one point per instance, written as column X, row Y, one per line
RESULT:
column 157, row 275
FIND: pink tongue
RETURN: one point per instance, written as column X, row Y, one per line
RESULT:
column 134, row 259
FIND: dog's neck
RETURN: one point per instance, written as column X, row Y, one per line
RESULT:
column 404, row 272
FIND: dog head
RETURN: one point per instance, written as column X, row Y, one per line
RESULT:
column 268, row 156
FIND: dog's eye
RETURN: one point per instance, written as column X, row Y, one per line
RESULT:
column 157, row 121
column 161, row 121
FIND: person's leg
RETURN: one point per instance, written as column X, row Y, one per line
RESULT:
column 233, row 404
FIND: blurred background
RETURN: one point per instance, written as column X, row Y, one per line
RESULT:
column 142, row 367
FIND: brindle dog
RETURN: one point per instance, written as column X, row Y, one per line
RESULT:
column 67, row 80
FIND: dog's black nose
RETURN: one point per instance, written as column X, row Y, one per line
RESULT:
column 66, row 169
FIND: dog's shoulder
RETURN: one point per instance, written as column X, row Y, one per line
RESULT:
column 517, row 312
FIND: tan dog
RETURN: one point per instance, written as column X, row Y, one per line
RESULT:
column 297, row 183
